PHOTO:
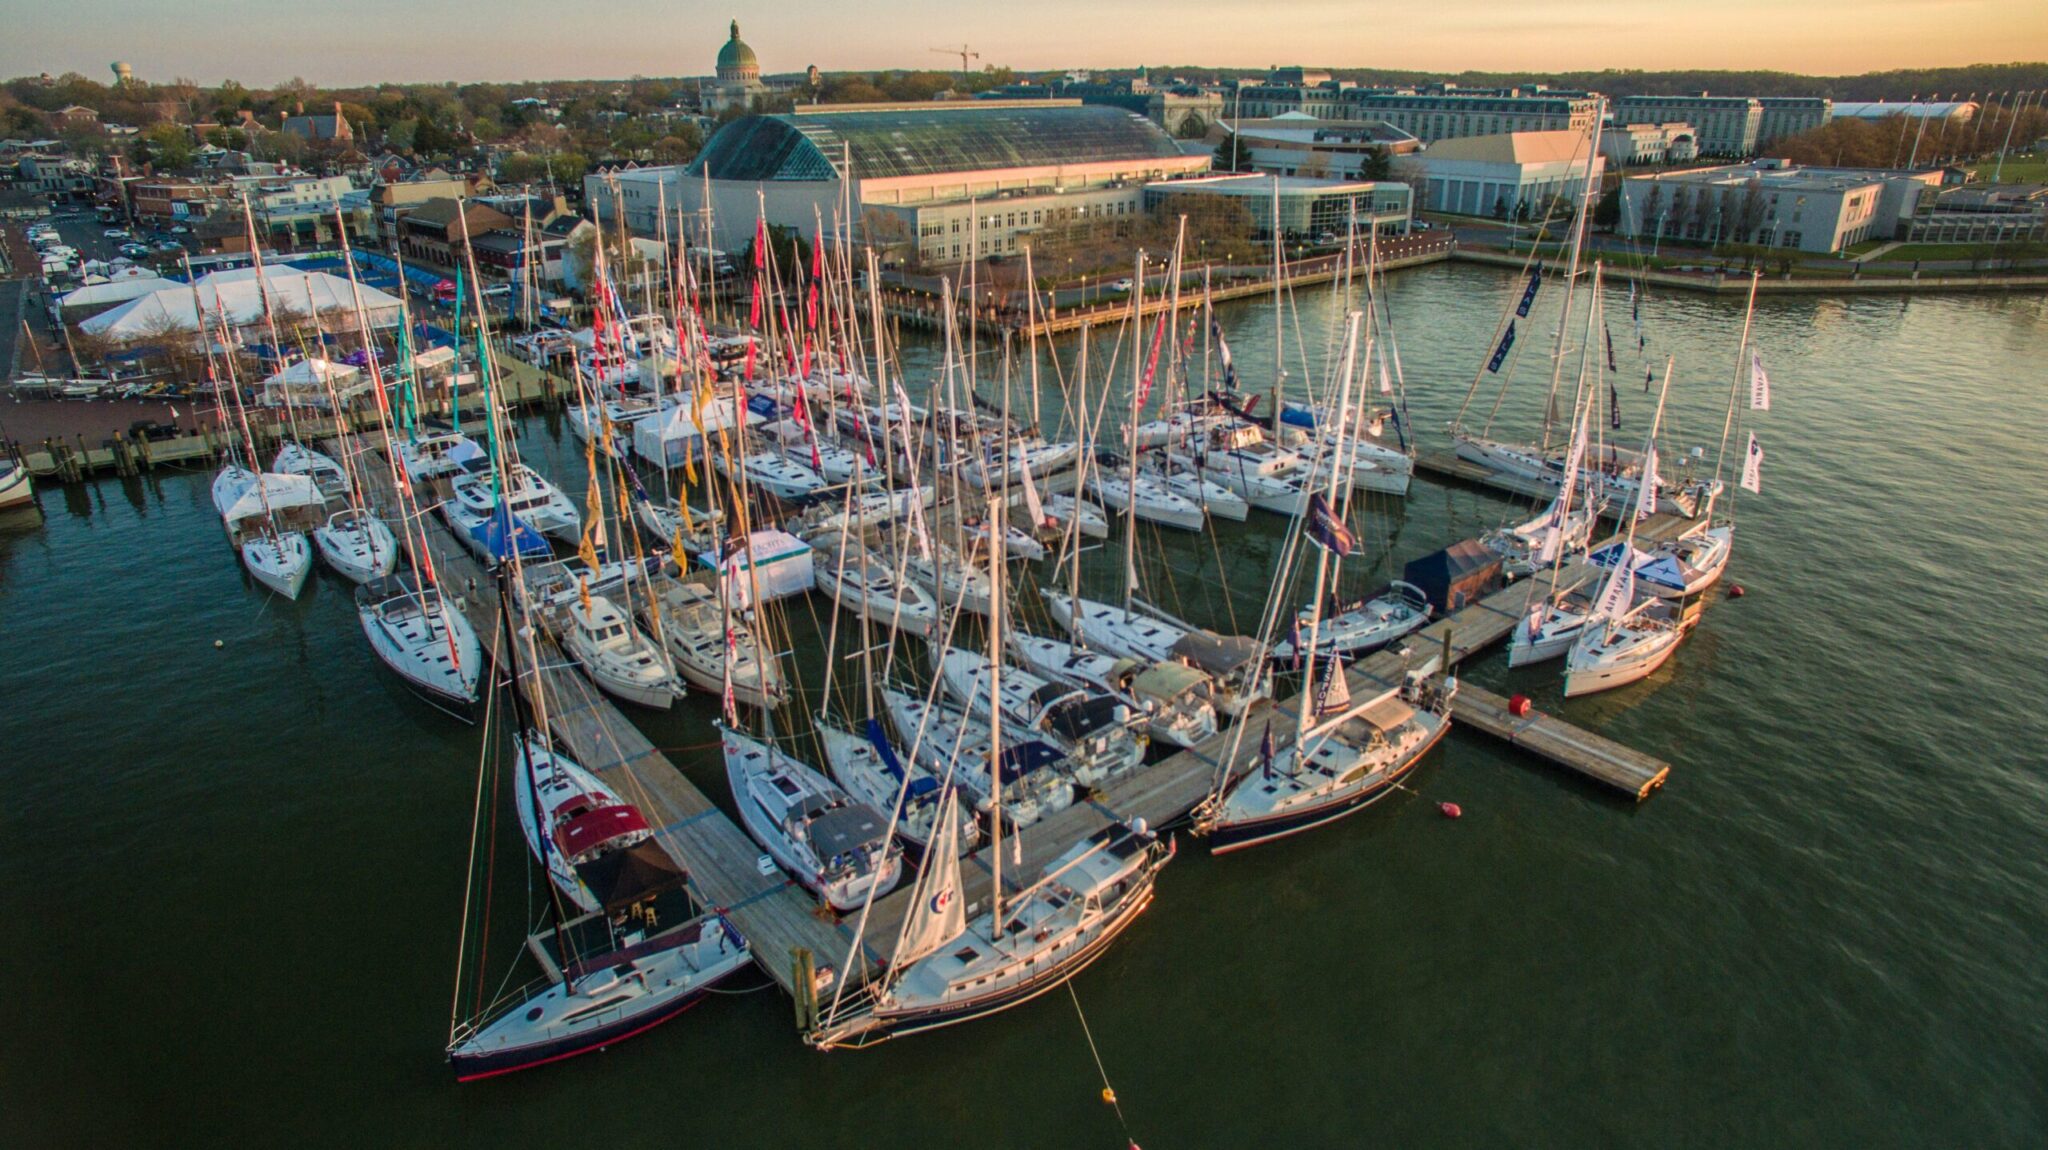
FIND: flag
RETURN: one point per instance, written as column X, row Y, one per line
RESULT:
column 1753, row 466
column 1500, row 354
column 1294, row 641
column 1635, row 305
column 1529, row 293
column 1152, row 361
column 1327, row 529
column 1646, row 497
column 731, row 701
column 1386, row 383
column 1223, row 356
column 1609, row 332
column 1266, row 752
column 1613, row 408
column 1336, row 693
column 1648, row 377
column 1759, row 384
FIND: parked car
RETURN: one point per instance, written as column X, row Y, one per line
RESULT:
column 1121, row 285
column 135, row 251
column 171, row 246
column 116, row 233
column 179, row 229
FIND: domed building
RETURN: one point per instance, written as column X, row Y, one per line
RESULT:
column 739, row 77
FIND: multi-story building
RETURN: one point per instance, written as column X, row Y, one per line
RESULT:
column 1629, row 145
column 641, row 195
column 1791, row 115
column 1446, row 112
column 1508, row 176
column 1309, row 209
column 1728, row 125
column 1290, row 90
column 1294, row 145
column 913, row 168
column 161, row 201
column 433, row 235
column 1775, row 204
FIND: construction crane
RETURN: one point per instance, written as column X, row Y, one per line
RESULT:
column 964, row 52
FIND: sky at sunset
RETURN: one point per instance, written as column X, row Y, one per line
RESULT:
column 359, row 41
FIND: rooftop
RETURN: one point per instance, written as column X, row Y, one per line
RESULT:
column 1513, row 148
column 893, row 140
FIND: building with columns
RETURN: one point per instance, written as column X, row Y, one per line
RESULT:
column 739, row 77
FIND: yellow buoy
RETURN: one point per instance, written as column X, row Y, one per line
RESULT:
column 1109, row 1096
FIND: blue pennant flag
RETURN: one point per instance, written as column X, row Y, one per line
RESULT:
column 1327, row 529
column 1500, row 354
column 1529, row 293
column 1613, row 408
column 1649, row 377
column 1611, row 366
column 1400, row 427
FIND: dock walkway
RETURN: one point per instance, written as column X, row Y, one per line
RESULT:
column 776, row 915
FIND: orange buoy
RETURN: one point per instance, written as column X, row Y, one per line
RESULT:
column 1451, row 810
column 1108, row 1096
column 1518, row 706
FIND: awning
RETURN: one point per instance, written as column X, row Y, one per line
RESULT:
column 621, row 878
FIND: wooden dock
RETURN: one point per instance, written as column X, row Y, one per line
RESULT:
column 1594, row 756
column 777, row 916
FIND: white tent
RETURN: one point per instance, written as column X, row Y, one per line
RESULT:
column 277, row 492
column 240, row 296
column 119, row 289
column 306, row 382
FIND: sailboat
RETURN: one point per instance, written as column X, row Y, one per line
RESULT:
column 1092, row 727
column 862, row 582
column 525, row 493
column 871, row 769
column 1141, row 495
column 424, row 640
column 835, row 845
column 711, row 645
column 1623, row 641
column 943, row 737
column 600, row 857
column 949, row 969
column 254, row 510
column 295, row 458
column 618, row 656
column 1174, row 697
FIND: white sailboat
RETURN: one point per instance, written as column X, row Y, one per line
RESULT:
column 256, row 511
column 424, row 640
column 1141, row 495
column 1091, row 726
column 942, row 737
column 1174, row 697
column 711, row 645
column 527, row 495
column 861, row 582
column 295, row 458
column 617, row 655
column 357, row 545
column 872, row 771
column 834, row 845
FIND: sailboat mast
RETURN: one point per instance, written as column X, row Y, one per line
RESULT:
column 1323, row 553
column 1279, row 336
column 1735, row 381
column 1580, row 210
column 995, row 723
column 1131, row 435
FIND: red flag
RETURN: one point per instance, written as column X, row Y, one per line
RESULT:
column 1152, row 360
column 754, row 308
column 750, row 361
column 804, row 369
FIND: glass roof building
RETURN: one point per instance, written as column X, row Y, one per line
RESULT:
column 817, row 162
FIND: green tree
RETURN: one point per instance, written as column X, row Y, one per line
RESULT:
column 166, row 145
column 1378, row 165
column 1229, row 157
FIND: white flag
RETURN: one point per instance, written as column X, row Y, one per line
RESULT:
column 1386, row 384
column 1753, row 466
column 1646, row 496
column 1759, row 384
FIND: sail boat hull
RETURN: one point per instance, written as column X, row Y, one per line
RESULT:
column 1225, row 838
column 1587, row 675
column 280, row 563
column 664, row 977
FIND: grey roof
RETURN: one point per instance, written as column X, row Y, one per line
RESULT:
column 916, row 141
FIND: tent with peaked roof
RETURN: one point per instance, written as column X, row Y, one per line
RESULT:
column 240, row 297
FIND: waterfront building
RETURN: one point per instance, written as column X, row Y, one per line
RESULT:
column 917, row 175
column 1630, row 145
column 1773, row 203
column 1297, row 91
column 1728, row 125
column 1506, row 176
column 1310, row 209
column 1790, row 116
column 433, row 234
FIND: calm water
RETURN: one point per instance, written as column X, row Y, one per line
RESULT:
column 234, row 875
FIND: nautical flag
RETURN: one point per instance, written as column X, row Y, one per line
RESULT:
column 802, row 413
column 1759, row 384
column 817, row 273
column 1500, row 354
column 731, row 701
column 1223, row 355
column 1529, row 293
column 1613, row 408
column 1327, row 529
column 1609, row 332
column 1336, row 694
column 1648, row 377
column 1646, row 498
column 1152, row 361
column 1753, row 466
column 1266, row 752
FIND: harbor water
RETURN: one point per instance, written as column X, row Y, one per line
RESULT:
column 234, row 874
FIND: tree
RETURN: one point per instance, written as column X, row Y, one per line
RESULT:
column 1377, row 165
column 679, row 146
column 1229, row 156
column 1607, row 212
column 166, row 145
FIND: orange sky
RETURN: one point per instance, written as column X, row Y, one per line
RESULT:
column 263, row 41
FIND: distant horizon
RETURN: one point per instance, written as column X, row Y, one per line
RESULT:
column 526, row 41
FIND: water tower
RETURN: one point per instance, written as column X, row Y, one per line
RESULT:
column 123, row 74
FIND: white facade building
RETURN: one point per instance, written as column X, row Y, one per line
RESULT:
column 1505, row 176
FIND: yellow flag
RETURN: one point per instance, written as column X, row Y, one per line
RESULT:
column 583, row 588
column 683, row 509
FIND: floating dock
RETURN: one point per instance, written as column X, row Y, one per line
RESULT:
column 1594, row 756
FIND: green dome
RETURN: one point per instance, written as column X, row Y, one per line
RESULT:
column 736, row 56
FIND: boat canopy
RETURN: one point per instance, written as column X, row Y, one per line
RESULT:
column 595, row 827
column 276, row 491
column 1167, row 681
column 621, row 878
column 1217, row 654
